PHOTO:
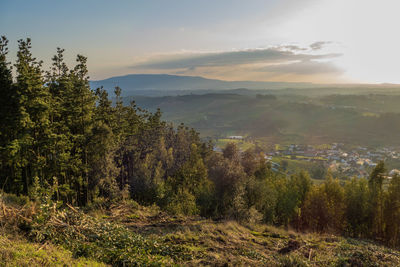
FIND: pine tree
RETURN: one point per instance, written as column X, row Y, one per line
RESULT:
column 125, row 126
column 60, row 163
column 8, row 98
column 9, row 124
column 80, row 122
column 101, row 153
column 34, row 103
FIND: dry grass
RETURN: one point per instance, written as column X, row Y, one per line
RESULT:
column 227, row 242
column 14, row 215
column 202, row 241
column 17, row 251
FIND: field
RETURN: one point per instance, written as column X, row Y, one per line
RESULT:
column 242, row 145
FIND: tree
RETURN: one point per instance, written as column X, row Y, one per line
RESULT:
column 250, row 161
column 376, row 200
column 34, row 103
column 302, row 184
column 101, row 152
column 287, row 204
column 229, row 178
column 392, row 212
column 314, row 214
column 299, row 185
column 356, row 210
column 9, row 125
column 323, row 208
column 188, row 187
column 60, row 164
column 231, row 152
column 335, row 203
column 126, row 127
column 80, row 122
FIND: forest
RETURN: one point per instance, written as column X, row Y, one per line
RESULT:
column 63, row 144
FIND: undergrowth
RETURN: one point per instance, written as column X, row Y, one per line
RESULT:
column 111, row 243
column 127, row 234
column 15, row 251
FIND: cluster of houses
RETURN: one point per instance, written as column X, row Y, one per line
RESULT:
column 338, row 157
column 351, row 162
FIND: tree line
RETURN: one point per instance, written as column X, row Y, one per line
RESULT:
column 56, row 132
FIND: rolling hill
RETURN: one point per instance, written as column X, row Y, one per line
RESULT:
column 363, row 120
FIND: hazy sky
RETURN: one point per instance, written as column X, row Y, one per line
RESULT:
column 287, row 40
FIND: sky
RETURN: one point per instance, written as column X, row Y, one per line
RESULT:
column 319, row 41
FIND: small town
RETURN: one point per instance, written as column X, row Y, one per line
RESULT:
column 338, row 158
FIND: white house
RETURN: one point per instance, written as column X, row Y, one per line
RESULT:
column 237, row 137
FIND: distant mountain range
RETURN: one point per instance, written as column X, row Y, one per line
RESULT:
column 165, row 84
column 143, row 83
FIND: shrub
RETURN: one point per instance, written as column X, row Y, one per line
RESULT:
column 108, row 242
column 14, row 200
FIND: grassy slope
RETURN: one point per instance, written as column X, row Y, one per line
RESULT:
column 189, row 241
column 227, row 242
column 17, row 251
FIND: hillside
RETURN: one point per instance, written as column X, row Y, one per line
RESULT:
column 129, row 234
column 286, row 118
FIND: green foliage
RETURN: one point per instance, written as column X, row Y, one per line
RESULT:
column 356, row 211
column 229, row 180
column 18, row 252
column 392, row 212
column 14, row 200
column 324, row 207
column 182, row 202
column 188, row 186
column 107, row 242
column 60, row 130
column 376, row 200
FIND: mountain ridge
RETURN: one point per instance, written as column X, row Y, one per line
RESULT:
column 148, row 84
column 166, row 82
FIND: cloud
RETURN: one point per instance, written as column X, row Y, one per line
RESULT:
column 280, row 62
column 293, row 48
column 318, row 45
column 305, row 67
column 250, row 56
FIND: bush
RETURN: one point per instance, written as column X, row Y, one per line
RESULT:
column 107, row 242
column 14, row 200
column 182, row 203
